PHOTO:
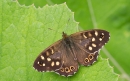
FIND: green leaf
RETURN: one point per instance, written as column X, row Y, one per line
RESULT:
column 25, row 34
column 112, row 15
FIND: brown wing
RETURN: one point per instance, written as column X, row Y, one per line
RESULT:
column 69, row 63
column 57, row 58
column 83, row 48
column 87, row 45
column 49, row 59
column 91, row 40
column 85, row 58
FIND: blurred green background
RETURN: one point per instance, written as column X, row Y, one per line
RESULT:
column 111, row 15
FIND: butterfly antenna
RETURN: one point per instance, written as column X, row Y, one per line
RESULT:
column 54, row 30
column 65, row 29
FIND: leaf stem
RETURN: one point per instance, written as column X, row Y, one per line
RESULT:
column 123, row 73
column 92, row 14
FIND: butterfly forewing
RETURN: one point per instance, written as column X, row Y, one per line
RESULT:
column 64, row 56
column 49, row 59
column 91, row 40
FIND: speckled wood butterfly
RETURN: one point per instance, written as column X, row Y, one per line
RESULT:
column 65, row 55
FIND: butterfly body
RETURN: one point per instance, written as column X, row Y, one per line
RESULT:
column 65, row 55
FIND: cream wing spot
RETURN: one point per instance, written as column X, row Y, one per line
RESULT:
column 100, row 39
column 93, row 39
column 48, row 59
column 43, row 64
column 57, row 63
column 47, row 53
column 52, row 51
column 102, row 33
column 52, row 63
column 89, row 34
column 42, row 57
column 90, row 48
column 94, row 45
column 84, row 36
column 96, row 33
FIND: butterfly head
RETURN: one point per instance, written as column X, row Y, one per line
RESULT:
column 64, row 35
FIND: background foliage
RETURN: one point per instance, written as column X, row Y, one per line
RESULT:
column 111, row 15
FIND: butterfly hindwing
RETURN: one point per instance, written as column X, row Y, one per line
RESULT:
column 69, row 62
column 68, row 69
column 86, row 58
column 82, row 56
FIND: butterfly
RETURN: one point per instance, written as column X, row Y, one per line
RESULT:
column 65, row 55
